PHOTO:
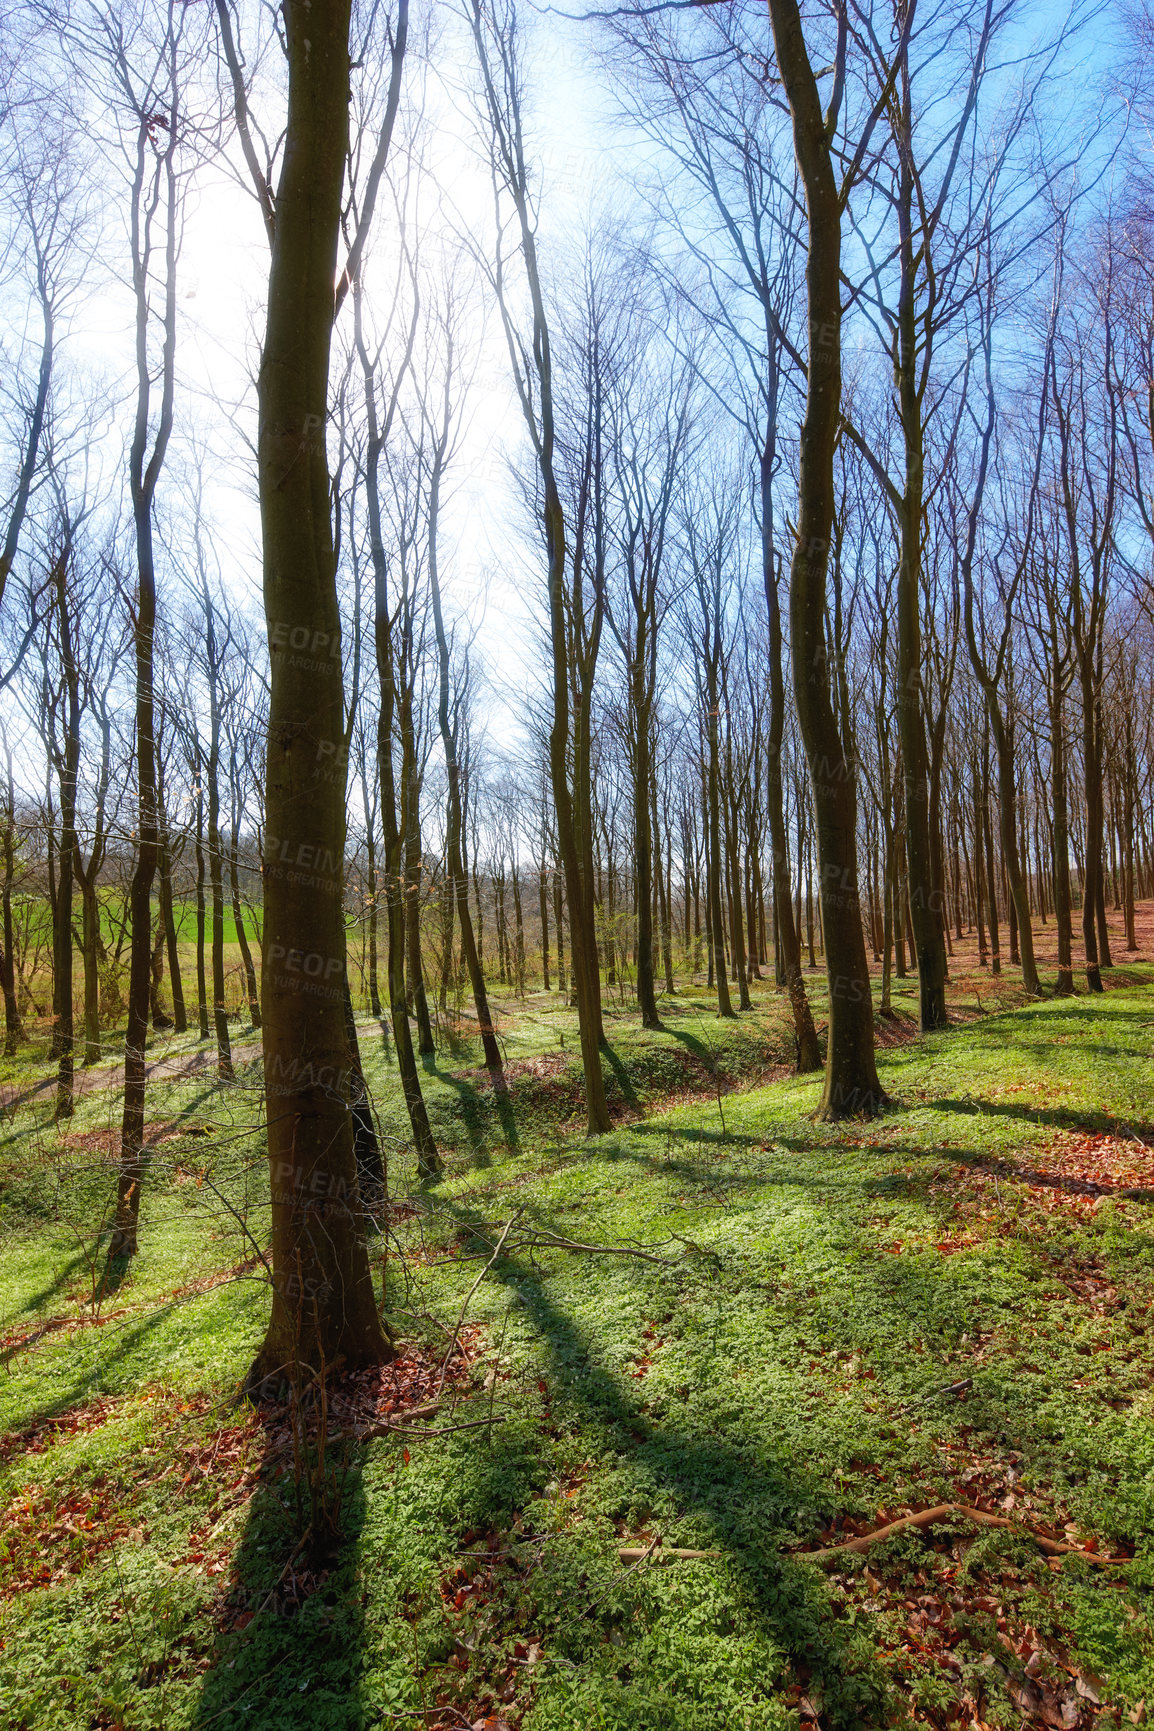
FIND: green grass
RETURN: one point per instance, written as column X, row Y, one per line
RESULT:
column 775, row 1373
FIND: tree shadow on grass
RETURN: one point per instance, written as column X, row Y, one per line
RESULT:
column 1074, row 1119
column 740, row 1496
column 480, row 1110
column 290, row 1628
column 120, row 1339
column 292, row 1645
column 621, row 1076
column 37, row 1299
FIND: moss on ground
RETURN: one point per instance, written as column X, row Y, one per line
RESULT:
column 844, row 1322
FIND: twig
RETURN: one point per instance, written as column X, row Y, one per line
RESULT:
column 441, row 1430
column 553, row 1241
column 638, row 1557
column 946, row 1388
column 500, row 1245
column 947, row 1511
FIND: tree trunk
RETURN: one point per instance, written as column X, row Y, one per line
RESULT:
column 543, row 915
column 924, row 892
column 323, row 1310
column 374, row 981
column 851, row 1086
column 241, row 934
column 454, row 821
column 168, row 919
column 216, row 858
column 13, row 1026
column 201, row 915
column 68, row 761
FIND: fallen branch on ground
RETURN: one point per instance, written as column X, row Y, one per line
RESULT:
column 635, row 1553
column 947, row 1511
column 456, row 1337
column 552, row 1241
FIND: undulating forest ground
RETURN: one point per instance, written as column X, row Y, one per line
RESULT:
column 721, row 1328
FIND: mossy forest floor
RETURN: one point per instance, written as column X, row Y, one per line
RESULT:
column 830, row 1327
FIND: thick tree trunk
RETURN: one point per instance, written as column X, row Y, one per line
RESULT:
column 851, row 1086
column 323, row 1309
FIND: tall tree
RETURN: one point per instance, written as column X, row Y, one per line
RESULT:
column 851, row 1086
column 323, row 1307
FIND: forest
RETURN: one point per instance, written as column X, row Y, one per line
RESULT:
column 576, row 864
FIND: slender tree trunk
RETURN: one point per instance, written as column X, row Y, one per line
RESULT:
column 90, row 950
column 1061, row 844
column 201, row 916
column 643, row 835
column 13, row 1026
column 168, row 918
column 67, row 764
column 924, row 892
column 426, row 1045
column 559, row 922
column 144, row 472
column 454, row 824
column 374, row 982
column 241, row 934
column 543, row 915
column 716, row 916
column 216, row 856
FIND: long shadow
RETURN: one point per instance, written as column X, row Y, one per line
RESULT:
column 1052, row 1117
column 621, row 1076
column 750, row 1501
column 34, row 1302
column 291, row 1629
column 1093, row 1008
column 474, row 1112
column 77, row 1389
column 703, row 1053
column 291, row 1641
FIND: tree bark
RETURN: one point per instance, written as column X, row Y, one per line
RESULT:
column 144, row 473
column 323, row 1306
column 852, row 1087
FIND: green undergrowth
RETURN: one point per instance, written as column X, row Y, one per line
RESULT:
column 829, row 1325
